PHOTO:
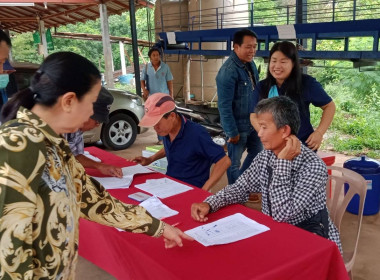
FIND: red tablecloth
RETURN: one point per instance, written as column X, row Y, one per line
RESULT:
column 283, row 252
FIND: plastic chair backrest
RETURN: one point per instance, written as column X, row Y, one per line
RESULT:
column 338, row 199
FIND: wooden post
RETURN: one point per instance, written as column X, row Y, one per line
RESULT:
column 138, row 49
column 129, row 58
column 43, row 47
column 107, row 51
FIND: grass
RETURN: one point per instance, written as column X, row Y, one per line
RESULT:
column 356, row 126
column 129, row 88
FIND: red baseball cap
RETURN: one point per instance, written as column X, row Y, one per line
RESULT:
column 157, row 105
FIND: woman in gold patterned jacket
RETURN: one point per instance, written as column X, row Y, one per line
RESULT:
column 43, row 189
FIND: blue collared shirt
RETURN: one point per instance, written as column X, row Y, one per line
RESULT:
column 191, row 154
column 158, row 80
column 312, row 93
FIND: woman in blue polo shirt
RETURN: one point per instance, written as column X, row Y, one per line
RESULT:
column 284, row 77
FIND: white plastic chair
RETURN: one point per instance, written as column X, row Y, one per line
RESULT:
column 337, row 201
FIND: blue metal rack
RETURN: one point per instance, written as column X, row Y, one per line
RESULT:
column 353, row 25
column 343, row 30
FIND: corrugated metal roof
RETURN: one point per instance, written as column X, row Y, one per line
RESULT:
column 23, row 19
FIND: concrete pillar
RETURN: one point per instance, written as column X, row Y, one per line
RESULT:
column 43, row 47
column 107, row 51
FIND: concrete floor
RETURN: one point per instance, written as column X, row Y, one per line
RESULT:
column 368, row 255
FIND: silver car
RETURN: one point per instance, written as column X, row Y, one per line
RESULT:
column 125, row 114
column 122, row 128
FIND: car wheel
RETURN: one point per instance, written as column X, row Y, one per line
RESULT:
column 120, row 132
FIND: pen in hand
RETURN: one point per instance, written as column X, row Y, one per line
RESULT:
column 176, row 224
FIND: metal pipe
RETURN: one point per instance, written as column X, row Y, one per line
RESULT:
column 186, row 77
column 201, row 62
column 251, row 14
column 287, row 14
column 136, row 62
column 333, row 15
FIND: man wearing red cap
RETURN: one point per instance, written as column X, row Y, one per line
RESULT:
column 187, row 145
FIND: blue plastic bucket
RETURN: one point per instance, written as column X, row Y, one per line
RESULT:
column 125, row 79
column 370, row 170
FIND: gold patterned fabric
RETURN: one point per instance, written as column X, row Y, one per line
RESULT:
column 43, row 192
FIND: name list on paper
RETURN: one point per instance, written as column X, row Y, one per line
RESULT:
column 163, row 187
column 227, row 230
column 128, row 172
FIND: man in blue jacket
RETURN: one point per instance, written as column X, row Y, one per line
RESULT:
column 235, row 82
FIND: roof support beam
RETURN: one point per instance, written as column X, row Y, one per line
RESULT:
column 96, row 37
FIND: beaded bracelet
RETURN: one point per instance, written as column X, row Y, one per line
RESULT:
column 161, row 230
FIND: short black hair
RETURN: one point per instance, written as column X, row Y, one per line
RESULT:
column 239, row 35
column 4, row 37
column 154, row 49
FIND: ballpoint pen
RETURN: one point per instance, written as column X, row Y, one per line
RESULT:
column 176, row 224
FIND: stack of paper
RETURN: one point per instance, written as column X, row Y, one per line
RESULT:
column 157, row 209
column 135, row 169
column 227, row 230
column 163, row 188
column 126, row 180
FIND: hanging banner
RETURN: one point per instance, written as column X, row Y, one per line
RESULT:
column 36, row 39
column 49, row 40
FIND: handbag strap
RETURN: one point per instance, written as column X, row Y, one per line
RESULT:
column 146, row 76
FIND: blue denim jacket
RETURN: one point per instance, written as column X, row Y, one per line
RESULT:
column 235, row 95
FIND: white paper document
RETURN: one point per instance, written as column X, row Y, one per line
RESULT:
column 128, row 172
column 227, row 230
column 136, row 169
column 163, row 187
column 286, row 31
column 90, row 156
column 171, row 38
column 157, row 208
column 115, row 183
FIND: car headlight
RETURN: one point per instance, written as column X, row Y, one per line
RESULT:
column 137, row 100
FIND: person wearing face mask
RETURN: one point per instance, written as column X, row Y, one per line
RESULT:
column 284, row 77
column 5, row 46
